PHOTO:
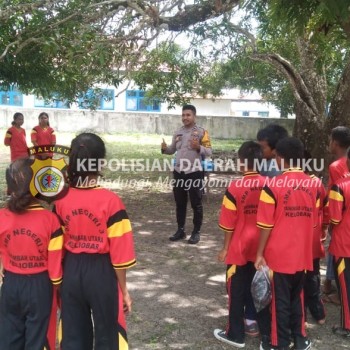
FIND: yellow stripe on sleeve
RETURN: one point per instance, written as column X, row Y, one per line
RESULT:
column 119, row 228
column 266, row 198
column 262, row 225
column 56, row 281
column 228, row 204
column 336, row 196
column 125, row 265
column 226, row 229
column 56, row 243
column 318, row 202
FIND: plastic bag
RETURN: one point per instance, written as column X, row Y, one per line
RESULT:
column 261, row 289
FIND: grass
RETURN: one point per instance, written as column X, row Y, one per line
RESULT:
column 127, row 155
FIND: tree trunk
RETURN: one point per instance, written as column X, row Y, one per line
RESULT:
column 339, row 113
column 314, row 137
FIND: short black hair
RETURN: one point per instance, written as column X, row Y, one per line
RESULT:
column 290, row 149
column 190, row 107
column 272, row 133
column 341, row 134
column 252, row 152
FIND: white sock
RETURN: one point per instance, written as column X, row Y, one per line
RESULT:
column 249, row 322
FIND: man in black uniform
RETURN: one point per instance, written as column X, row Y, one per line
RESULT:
column 191, row 144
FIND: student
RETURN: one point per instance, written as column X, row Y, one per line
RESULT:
column 31, row 242
column 312, row 284
column 191, row 144
column 43, row 134
column 238, row 220
column 268, row 138
column 99, row 248
column 15, row 138
column 339, row 210
column 287, row 214
column 338, row 144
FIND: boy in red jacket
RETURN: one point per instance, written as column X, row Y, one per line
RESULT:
column 237, row 220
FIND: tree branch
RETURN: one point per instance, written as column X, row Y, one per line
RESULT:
column 300, row 90
column 196, row 13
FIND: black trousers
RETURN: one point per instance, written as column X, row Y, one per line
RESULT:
column 89, row 303
column 189, row 185
column 238, row 280
column 312, row 292
column 342, row 279
column 25, row 307
column 285, row 316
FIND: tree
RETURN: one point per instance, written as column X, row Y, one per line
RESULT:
column 298, row 58
column 296, row 53
column 67, row 47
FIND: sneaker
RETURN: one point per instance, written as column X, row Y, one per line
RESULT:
column 338, row 330
column 195, row 237
column 268, row 346
column 252, row 329
column 303, row 345
column 221, row 335
column 179, row 234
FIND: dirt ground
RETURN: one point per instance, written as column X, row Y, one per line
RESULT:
column 178, row 289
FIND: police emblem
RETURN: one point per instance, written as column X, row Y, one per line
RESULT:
column 49, row 177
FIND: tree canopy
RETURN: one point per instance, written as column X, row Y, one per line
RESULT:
column 296, row 53
column 68, row 46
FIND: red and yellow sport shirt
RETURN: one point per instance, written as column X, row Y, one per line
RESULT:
column 31, row 242
column 238, row 215
column 289, row 207
column 16, row 139
column 339, row 211
column 95, row 221
column 337, row 170
column 43, row 136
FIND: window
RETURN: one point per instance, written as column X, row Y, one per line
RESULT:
column 245, row 114
column 137, row 101
column 11, row 97
column 99, row 99
column 263, row 114
column 50, row 103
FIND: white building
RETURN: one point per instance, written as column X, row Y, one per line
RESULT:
column 131, row 99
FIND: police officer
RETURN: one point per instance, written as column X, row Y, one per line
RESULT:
column 191, row 144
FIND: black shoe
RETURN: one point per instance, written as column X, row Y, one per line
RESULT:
column 195, row 237
column 305, row 344
column 338, row 330
column 179, row 234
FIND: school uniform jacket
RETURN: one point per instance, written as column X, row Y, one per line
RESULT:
column 238, row 215
column 339, row 210
column 289, row 207
column 16, row 139
column 31, row 242
column 95, row 222
column 43, row 136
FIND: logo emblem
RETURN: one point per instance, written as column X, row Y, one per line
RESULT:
column 49, row 180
